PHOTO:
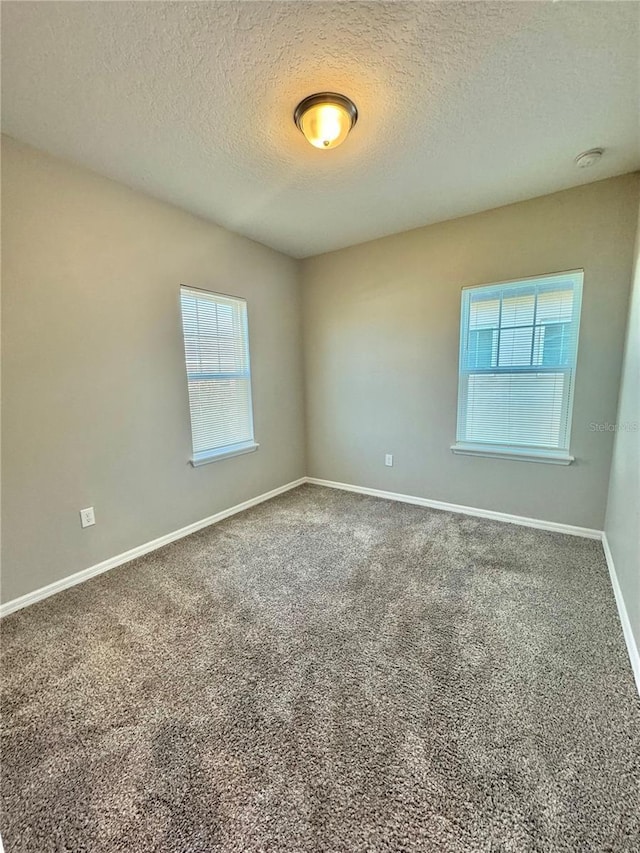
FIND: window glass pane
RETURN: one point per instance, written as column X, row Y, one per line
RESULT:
column 555, row 306
column 218, row 374
column 483, row 347
column 522, row 409
column 485, row 313
column 517, row 361
column 517, row 309
column 515, row 347
column 556, row 344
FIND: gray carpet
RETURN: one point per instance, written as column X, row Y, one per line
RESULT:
column 327, row 672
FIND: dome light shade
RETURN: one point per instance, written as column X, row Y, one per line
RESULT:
column 325, row 119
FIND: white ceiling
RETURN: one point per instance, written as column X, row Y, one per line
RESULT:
column 463, row 106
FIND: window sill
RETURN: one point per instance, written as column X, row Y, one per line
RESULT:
column 496, row 451
column 208, row 456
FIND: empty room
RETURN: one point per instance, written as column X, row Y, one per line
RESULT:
column 320, row 427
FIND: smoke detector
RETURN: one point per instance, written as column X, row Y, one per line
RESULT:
column 588, row 158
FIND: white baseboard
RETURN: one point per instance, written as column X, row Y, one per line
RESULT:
column 586, row 532
column 146, row 548
column 632, row 648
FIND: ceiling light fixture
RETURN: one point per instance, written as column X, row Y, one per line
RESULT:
column 589, row 158
column 325, row 119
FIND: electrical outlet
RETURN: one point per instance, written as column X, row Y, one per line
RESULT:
column 388, row 459
column 87, row 517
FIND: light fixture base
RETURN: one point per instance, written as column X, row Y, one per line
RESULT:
column 325, row 98
column 589, row 158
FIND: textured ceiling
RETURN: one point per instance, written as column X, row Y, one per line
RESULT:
column 463, row 106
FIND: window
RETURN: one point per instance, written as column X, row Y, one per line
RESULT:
column 216, row 344
column 518, row 347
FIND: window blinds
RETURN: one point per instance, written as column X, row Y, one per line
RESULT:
column 216, row 346
column 518, row 347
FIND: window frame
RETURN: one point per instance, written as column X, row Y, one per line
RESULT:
column 522, row 452
column 204, row 457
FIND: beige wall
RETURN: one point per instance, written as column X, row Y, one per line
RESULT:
column 381, row 331
column 622, row 524
column 95, row 407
